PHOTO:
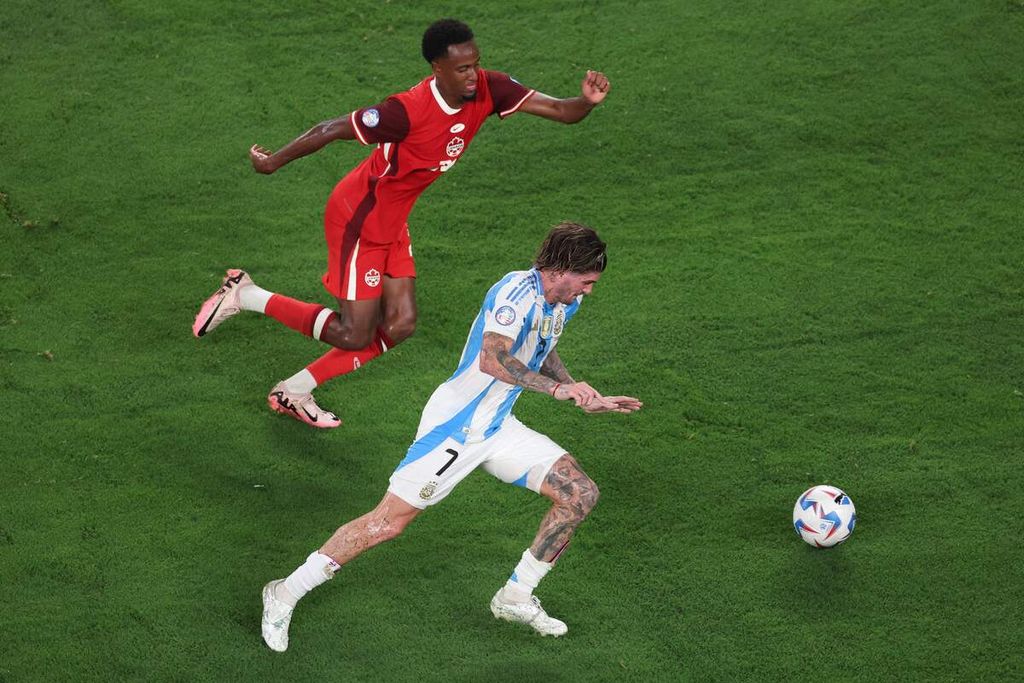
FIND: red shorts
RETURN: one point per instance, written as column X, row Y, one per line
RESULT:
column 355, row 268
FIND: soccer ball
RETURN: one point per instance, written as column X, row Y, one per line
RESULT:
column 824, row 516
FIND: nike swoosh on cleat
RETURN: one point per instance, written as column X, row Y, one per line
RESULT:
column 202, row 330
column 311, row 417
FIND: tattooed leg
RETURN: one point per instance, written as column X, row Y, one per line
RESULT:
column 574, row 495
column 381, row 524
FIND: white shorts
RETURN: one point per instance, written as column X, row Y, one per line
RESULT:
column 515, row 454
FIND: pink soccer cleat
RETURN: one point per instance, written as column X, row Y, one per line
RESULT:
column 223, row 304
column 302, row 407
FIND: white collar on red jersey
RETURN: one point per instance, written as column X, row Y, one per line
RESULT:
column 440, row 100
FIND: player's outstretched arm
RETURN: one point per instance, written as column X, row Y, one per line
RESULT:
column 614, row 404
column 496, row 360
column 554, row 368
column 593, row 90
column 265, row 161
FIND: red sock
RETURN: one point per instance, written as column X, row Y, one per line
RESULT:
column 343, row 361
column 297, row 315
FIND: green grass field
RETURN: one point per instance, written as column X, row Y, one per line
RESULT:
column 814, row 213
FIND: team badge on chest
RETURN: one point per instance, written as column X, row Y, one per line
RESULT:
column 545, row 327
column 455, row 147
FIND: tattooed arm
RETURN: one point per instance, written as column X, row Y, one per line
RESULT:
column 496, row 359
column 555, row 369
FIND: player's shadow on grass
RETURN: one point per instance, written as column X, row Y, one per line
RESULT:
column 817, row 581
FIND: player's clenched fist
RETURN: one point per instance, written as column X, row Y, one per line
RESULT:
column 595, row 86
column 260, row 159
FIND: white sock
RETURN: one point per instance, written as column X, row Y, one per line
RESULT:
column 317, row 569
column 321, row 320
column 254, row 298
column 526, row 576
column 302, row 382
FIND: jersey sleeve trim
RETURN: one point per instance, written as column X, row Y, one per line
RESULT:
column 355, row 126
column 507, row 94
column 515, row 108
column 508, row 334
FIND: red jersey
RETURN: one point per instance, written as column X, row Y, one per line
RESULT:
column 418, row 137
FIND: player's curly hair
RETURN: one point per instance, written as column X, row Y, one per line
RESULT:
column 574, row 248
column 441, row 34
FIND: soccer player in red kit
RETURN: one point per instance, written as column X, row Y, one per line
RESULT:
column 419, row 134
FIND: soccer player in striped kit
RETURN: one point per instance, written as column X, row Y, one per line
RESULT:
column 468, row 423
column 419, row 135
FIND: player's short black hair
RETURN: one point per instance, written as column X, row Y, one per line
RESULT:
column 573, row 248
column 441, row 34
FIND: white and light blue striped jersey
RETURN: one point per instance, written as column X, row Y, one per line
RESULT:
column 471, row 405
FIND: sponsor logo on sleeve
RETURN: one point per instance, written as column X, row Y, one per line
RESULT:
column 506, row 315
column 371, row 117
column 372, row 277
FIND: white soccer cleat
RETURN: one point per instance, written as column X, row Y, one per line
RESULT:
column 302, row 407
column 276, row 617
column 529, row 612
column 222, row 304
